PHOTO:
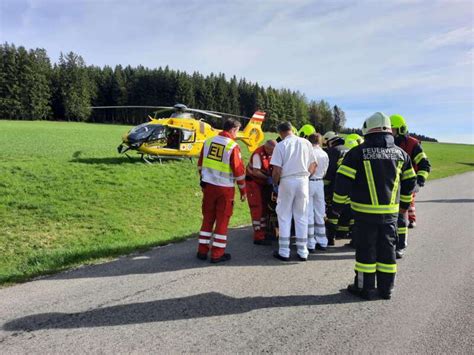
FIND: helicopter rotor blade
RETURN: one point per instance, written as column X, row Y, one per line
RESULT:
column 154, row 107
column 208, row 113
column 214, row 114
column 230, row 115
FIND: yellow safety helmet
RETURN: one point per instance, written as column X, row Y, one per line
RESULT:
column 353, row 140
column 306, row 131
column 379, row 122
column 399, row 123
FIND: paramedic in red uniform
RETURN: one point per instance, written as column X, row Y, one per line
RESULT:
column 220, row 165
column 258, row 181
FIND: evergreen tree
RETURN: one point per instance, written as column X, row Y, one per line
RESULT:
column 339, row 119
column 233, row 97
column 10, row 95
column 199, row 91
column 302, row 111
column 209, row 93
column 326, row 115
column 74, row 87
column 24, row 77
column 320, row 116
column 184, row 90
column 220, row 94
column 118, row 87
column 39, row 91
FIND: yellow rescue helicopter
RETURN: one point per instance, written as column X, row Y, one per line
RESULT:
column 181, row 135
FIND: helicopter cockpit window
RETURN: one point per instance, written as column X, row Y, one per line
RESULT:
column 146, row 132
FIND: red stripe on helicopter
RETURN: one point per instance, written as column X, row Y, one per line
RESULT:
column 258, row 116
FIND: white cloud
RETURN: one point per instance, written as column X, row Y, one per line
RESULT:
column 463, row 35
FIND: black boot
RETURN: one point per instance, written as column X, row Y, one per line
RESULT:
column 386, row 295
column 225, row 257
column 399, row 253
column 368, row 294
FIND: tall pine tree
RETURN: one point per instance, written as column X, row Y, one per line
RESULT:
column 74, row 87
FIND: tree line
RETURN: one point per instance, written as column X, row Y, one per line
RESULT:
column 33, row 88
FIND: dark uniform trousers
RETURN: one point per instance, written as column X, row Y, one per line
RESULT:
column 331, row 221
column 344, row 223
column 402, row 224
column 339, row 226
column 375, row 255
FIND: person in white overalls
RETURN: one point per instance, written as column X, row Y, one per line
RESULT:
column 293, row 162
column 317, row 206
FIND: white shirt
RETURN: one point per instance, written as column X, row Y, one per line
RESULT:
column 256, row 162
column 294, row 155
column 323, row 162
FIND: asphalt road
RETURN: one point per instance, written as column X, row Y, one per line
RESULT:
column 166, row 300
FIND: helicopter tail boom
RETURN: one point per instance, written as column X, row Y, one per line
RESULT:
column 252, row 134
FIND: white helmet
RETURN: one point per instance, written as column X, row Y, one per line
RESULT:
column 379, row 122
column 328, row 136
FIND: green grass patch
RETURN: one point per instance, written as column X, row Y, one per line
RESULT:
column 449, row 159
column 68, row 198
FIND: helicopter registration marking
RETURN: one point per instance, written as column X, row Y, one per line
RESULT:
column 216, row 151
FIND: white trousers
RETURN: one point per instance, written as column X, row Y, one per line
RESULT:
column 292, row 202
column 316, row 212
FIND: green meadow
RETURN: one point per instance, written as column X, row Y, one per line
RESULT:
column 67, row 198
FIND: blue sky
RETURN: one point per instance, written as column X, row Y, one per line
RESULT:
column 409, row 57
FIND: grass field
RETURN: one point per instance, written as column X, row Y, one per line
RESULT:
column 68, row 198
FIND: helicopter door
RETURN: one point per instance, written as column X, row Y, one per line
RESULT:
column 180, row 139
column 173, row 138
column 188, row 137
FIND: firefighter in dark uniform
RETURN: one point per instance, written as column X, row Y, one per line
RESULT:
column 422, row 168
column 377, row 176
column 335, row 149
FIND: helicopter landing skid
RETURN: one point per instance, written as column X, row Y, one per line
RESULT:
column 149, row 159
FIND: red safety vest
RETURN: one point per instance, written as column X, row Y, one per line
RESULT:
column 408, row 144
column 265, row 159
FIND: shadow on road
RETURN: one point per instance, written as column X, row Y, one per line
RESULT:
column 198, row 306
column 458, row 200
column 182, row 256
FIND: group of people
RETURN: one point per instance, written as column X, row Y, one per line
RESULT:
column 362, row 187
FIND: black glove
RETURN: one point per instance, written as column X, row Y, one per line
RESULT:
column 420, row 181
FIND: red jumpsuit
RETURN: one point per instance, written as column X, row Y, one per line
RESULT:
column 255, row 191
column 220, row 165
